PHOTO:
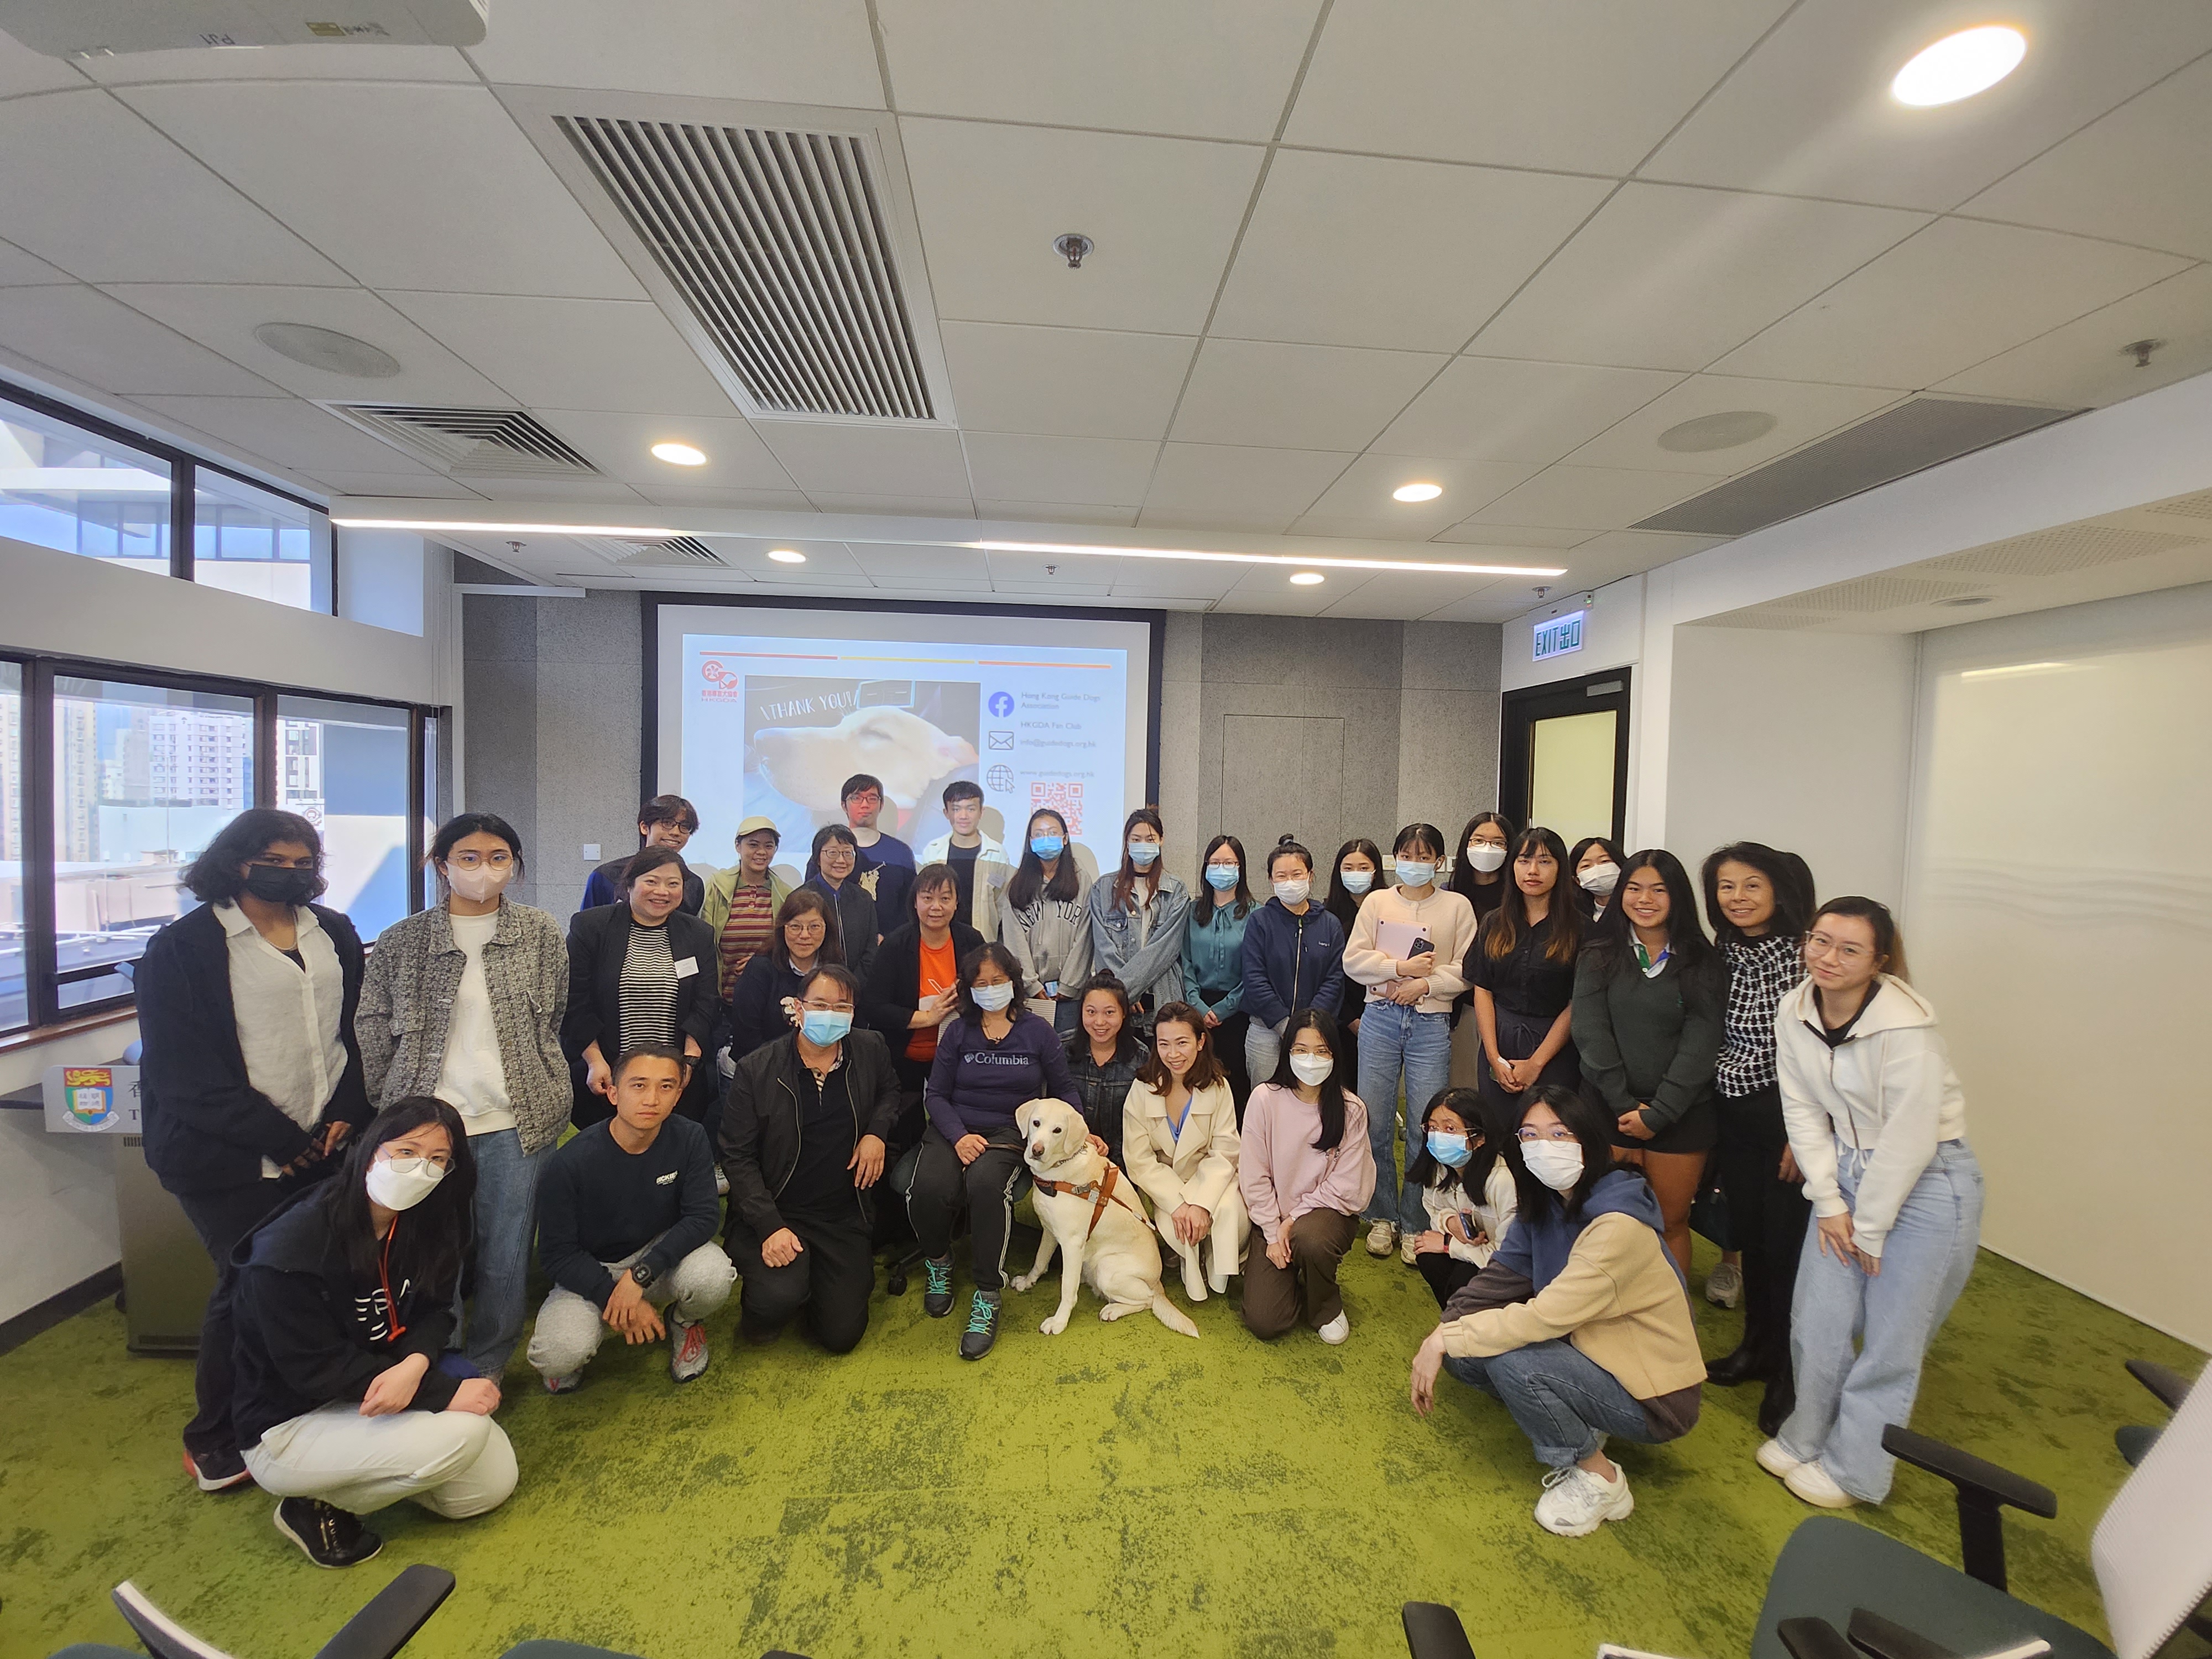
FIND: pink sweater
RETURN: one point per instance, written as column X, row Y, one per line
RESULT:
column 1283, row 1177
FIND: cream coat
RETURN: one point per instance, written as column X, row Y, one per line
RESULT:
column 1199, row 1167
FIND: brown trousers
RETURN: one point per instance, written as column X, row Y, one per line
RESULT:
column 1275, row 1297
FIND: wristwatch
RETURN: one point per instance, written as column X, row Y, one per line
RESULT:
column 641, row 1274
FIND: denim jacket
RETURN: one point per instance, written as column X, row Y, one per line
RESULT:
column 1154, row 968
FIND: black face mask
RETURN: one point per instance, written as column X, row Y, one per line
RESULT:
column 273, row 885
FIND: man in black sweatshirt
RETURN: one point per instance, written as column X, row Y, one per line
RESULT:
column 627, row 1213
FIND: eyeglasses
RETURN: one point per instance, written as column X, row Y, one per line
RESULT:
column 866, row 797
column 1822, row 945
column 408, row 1162
column 481, row 861
column 1563, row 1133
column 815, row 1007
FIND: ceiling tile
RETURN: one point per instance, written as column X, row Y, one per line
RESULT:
column 822, row 455
column 1220, row 70
column 23, row 70
column 1072, row 382
column 763, row 500
column 283, row 430
column 1359, row 503
column 1358, row 250
column 895, row 507
column 609, row 492
column 299, row 62
column 428, row 486
column 1446, row 79
column 2085, row 363
column 825, row 561
column 1591, row 497
column 1266, row 590
column 1801, row 413
column 900, row 563
column 1809, row 112
column 1297, row 397
column 1162, row 212
column 1513, row 538
column 1670, row 278
column 2138, row 175
column 111, row 200
column 1202, row 520
column 817, row 54
column 1955, row 294
column 1505, row 408
column 406, row 185
column 1500, row 601
column 621, row 445
column 1263, row 484
column 223, row 316
column 106, row 345
column 20, row 270
column 1056, row 512
column 1012, row 467
column 1045, row 572
column 1620, row 553
column 1398, row 593
column 1175, row 579
column 616, row 355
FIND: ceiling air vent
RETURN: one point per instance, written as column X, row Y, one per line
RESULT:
column 776, row 246
column 676, row 552
column 1917, row 434
column 483, row 443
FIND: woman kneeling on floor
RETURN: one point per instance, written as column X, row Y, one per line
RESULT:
column 1581, row 1323
column 348, row 1397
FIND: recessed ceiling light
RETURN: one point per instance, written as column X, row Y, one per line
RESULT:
column 1722, row 431
column 679, row 454
column 1959, row 65
column 787, row 555
column 329, row 350
column 1308, row 579
column 1416, row 492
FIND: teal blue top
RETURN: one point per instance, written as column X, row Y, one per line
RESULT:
column 1213, row 961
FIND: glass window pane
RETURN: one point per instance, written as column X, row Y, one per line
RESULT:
column 144, row 778
column 249, row 541
column 15, row 1000
column 67, row 490
column 343, row 766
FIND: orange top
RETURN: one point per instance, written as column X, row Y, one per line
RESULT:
column 939, row 972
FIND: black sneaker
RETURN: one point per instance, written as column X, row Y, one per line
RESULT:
column 982, row 1325
column 328, row 1535
column 217, row 1471
column 937, row 1300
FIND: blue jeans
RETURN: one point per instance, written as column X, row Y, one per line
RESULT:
column 1846, row 1397
column 1564, row 1401
column 505, row 1214
column 1395, row 1042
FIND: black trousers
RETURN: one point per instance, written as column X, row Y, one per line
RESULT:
column 830, row 1281
column 220, row 1218
column 1445, row 1271
column 1767, row 1215
column 1228, row 1040
column 987, row 1188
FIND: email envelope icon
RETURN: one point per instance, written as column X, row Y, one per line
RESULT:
column 1000, row 740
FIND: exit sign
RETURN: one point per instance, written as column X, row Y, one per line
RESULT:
column 1560, row 637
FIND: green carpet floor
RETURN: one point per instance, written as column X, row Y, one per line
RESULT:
column 1116, row 1489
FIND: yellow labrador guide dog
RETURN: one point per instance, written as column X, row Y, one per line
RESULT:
column 1093, row 1216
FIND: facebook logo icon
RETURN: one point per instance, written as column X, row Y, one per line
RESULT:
column 1002, row 704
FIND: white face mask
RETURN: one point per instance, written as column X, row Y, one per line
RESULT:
column 1600, row 879
column 1294, row 891
column 1557, row 1163
column 402, row 1189
column 479, row 884
column 992, row 999
column 1356, row 882
column 1312, row 1070
column 1481, row 856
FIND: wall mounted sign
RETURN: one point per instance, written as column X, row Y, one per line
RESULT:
column 1561, row 636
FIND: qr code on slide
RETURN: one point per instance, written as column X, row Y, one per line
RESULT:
column 1065, row 799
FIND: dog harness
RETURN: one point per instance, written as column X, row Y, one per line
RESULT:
column 1100, row 1192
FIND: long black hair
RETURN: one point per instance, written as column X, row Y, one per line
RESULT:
column 1027, row 885
column 1790, row 876
column 1685, row 935
column 1203, row 902
column 1592, row 1124
column 1573, row 876
column 218, row 873
column 1422, row 1170
column 1463, row 874
column 978, row 961
column 1502, row 928
column 1418, row 837
column 1126, row 878
column 1342, row 903
column 432, row 1238
column 1320, row 1021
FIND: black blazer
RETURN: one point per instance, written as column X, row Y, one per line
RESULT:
column 856, row 923
column 759, row 1148
column 206, row 1126
column 598, row 939
column 893, row 988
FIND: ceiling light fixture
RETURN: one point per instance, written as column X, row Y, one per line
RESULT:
column 1300, row 562
column 1959, row 65
column 1308, row 579
column 329, row 350
column 787, row 555
column 1416, row 492
column 2015, row 668
column 679, row 454
column 468, row 527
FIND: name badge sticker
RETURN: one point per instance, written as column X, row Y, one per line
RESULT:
column 686, row 966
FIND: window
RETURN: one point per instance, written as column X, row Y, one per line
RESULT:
column 14, row 989
column 247, row 540
column 343, row 767
column 64, row 487
column 143, row 777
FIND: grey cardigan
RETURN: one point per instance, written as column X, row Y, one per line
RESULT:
column 407, row 1002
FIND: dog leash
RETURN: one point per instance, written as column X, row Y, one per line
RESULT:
column 1100, row 1192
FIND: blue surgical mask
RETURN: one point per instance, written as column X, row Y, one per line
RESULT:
column 1222, row 877
column 1142, row 852
column 991, row 998
column 1413, row 873
column 1356, row 882
column 824, row 1026
column 1047, row 847
column 1449, row 1150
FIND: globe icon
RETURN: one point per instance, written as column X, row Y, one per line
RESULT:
column 999, row 779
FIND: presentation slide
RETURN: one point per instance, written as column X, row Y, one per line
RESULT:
column 767, row 711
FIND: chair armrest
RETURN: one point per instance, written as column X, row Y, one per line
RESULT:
column 1984, row 1489
column 2171, row 1386
column 1881, row 1639
column 393, row 1616
column 1812, row 1638
column 1434, row 1632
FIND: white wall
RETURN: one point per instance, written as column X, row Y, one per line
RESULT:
column 2059, row 910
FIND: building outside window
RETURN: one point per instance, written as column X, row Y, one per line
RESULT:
column 63, row 487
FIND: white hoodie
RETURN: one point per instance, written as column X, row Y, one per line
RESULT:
column 1887, row 1088
column 991, row 870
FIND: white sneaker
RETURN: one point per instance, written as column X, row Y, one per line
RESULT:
column 1576, row 1502
column 721, row 1183
column 1381, row 1239
column 1335, row 1331
column 1406, row 1247
column 1816, row 1486
column 1776, row 1459
column 1724, row 1284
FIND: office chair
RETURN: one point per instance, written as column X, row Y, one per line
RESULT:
column 380, row 1629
